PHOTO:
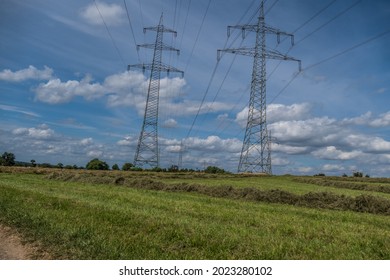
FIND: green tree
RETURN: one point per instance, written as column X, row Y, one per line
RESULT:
column 8, row 159
column 97, row 164
column 127, row 166
column 115, row 167
column 214, row 170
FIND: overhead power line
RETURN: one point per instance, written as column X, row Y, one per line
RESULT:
column 310, row 34
column 216, row 67
column 270, row 8
column 197, row 35
column 132, row 31
column 140, row 12
column 348, row 49
column 109, row 34
column 314, row 16
column 317, row 29
column 331, row 58
column 329, row 21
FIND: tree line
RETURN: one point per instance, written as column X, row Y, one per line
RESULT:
column 8, row 159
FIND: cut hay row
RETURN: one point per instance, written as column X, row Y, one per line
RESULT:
column 346, row 184
column 324, row 200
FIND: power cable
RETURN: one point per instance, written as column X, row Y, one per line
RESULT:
column 270, row 8
column 300, row 27
column 214, row 72
column 311, row 33
column 197, row 36
column 140, row 12
column 314, row 16
column 203, row 99
column 285, row 87
column 185, row 23
column 109, row 33
column 330, row 58
column 316, row 30
column 348, row 49
column 329, row 21
column 216, row 66
column 132, row 31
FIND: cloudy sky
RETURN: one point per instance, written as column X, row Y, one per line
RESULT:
column 66, row 95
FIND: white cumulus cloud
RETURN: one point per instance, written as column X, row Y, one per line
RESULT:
column 42, row 132
column 86, row 141
column 332, row 167
column 30, row 73
column 55, row 91
column 113, row 14
column 214, row 143
column 331, row 152
column 94, row 153
column 278, row 112
column 170, row 123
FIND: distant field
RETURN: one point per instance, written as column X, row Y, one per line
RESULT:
column 140, row 215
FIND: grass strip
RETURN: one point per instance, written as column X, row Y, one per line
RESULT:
column 324, row 200
column 102, row 221
column 345, row 184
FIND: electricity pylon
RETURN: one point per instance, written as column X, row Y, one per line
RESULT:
column 147, row 149
column 255, row 154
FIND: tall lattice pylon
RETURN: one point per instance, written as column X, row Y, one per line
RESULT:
column 255, row 154
column 147, row 153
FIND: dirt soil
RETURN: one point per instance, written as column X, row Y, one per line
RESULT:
column 12, row 246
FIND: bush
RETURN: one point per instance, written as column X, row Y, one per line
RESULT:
column 214, row 170
column 358, row 174
column 7, row 159
column 97, row 164
column 127, row 166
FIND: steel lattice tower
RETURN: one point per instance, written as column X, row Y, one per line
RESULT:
column 147, row 149
column 255, row 154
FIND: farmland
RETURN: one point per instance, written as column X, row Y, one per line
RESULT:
column 143, row 215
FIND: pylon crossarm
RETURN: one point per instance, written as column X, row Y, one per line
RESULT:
column 243, row 51
column 252, row 51
column 243, row 28
column 160, row 67
column 278, row 33
column 130, row 66
column 255, row 28
column 160, row 28
column 273, row 54
column 163, row 47
column 167, row 68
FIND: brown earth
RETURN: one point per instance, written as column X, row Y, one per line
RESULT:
column 12, row 246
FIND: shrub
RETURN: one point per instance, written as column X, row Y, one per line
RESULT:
column 214, row 170
column 7, row 159
column 97, row 164
column 127, row 166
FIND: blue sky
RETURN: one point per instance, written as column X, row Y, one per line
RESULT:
column 65, row 94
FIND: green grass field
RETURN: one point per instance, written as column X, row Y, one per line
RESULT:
column 130, row 215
